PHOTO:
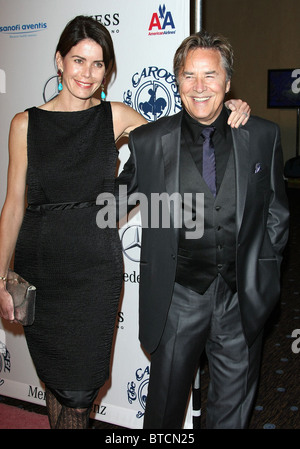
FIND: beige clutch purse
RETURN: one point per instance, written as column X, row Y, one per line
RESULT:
column 23, row 295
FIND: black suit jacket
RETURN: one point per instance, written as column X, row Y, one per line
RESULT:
column 261, row 220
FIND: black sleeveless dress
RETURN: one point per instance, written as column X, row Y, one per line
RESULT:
column 76, row 266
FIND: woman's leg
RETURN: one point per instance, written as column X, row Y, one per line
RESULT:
column 53, row 408
column 69, row 409
column 73, row 418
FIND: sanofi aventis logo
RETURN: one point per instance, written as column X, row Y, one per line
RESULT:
column 19, row 30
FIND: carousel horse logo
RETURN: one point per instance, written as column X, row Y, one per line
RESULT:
column 153, row 93
column 137, row 389
column 156, row 101
column 4, row 358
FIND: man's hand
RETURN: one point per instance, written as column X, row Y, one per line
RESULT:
column 240, row 112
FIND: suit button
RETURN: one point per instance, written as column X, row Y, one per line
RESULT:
column 173, row 256
column 220, row 266
column 218, row 208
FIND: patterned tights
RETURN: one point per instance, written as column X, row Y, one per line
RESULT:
column 62, row 417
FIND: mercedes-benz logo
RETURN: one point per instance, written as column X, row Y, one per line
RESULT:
column 131, row 242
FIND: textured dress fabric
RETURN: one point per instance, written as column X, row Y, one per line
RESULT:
column 76, row 266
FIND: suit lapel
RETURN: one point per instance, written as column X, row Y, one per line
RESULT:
column 171, row 155
column 241, row 157
column 171, row 142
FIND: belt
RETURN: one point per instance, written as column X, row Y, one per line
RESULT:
column 59, row 206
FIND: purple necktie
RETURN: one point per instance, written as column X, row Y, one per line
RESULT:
column 209, row 162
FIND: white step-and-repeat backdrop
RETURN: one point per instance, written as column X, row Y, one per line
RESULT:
column 146, row 35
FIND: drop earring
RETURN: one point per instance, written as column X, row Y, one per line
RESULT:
column 60, row 86
column 103, row 96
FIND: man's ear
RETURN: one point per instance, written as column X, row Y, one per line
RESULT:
column 227, row 86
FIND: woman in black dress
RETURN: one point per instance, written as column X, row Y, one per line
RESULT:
column 64, row 153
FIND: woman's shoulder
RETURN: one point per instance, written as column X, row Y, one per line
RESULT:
column 18, row 137
column 125, row 118
column 20, row 122
column 119, row 108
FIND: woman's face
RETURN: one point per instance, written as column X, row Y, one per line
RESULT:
column 83, row 69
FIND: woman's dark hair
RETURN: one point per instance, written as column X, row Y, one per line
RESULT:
column 85, row 27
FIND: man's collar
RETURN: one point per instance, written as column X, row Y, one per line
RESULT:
column 195, row 128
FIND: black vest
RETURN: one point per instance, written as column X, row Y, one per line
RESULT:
column 201, row 260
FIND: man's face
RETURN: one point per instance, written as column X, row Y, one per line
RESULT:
column 202, row 84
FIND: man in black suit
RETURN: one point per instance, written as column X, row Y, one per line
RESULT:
column 214, row 291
